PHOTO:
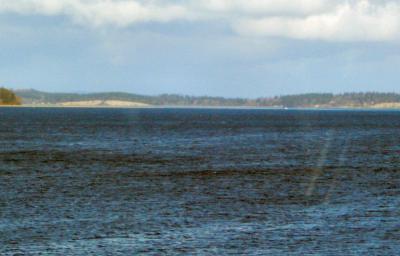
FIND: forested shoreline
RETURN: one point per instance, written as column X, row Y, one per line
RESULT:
column 8, row 97
column 310, row 100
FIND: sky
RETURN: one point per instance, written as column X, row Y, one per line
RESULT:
column 230, row 48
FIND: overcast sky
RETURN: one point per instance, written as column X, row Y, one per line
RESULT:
column 233, row 48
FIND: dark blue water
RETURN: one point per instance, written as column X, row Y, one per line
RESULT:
column 206, row 181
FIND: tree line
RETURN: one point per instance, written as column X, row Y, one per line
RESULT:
column 7, row 97
column 301, row 100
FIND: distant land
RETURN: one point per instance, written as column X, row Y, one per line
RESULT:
column 120, row 99
column 8, row 98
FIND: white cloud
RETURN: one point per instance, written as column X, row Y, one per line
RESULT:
column 360, row 21
column 97, row 12
column 266, row 7
column 330, row 20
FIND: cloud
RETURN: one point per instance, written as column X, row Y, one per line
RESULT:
column 266, row 7
column 360, row 21
column 329, row 20
column 97, row 12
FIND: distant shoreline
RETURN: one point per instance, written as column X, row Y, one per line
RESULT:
column 355, row 100
column 202, row 107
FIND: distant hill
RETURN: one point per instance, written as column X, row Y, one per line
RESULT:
column 326, row 100
column 8, row 97
column 37, row 97
column 311, row 100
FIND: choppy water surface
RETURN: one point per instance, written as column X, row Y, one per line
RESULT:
column 176, row 181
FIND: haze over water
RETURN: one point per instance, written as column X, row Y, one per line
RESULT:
column 199, row 181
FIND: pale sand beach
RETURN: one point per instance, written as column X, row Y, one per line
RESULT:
column 101, row 103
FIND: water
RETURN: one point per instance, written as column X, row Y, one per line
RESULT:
column 211, row 182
